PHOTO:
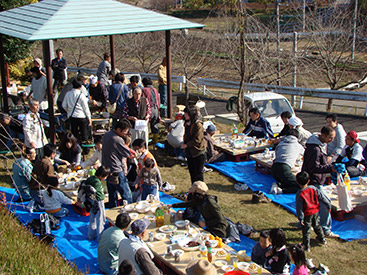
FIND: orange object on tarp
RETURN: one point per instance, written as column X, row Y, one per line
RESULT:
column 237, row 272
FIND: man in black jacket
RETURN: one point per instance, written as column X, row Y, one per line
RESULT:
column 58, row 66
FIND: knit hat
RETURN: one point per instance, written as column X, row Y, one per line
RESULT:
column 138, row 227
column 211, row 128
column 295, row 121
column 200, row 267
column 353, row 135
column 38, row 61
column 93, row 79
column 199, row 187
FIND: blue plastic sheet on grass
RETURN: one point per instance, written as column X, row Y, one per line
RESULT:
column 245, row 172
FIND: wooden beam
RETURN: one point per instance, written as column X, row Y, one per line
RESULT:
column 169, row 78
column 112, row 52
column 4, row 83
column 50, row 95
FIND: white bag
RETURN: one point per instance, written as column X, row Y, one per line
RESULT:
column 344, row 197
column 141, row 125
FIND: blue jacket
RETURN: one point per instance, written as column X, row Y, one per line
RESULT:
column 260, row 128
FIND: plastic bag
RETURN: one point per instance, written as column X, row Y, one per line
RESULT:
column 344, row 197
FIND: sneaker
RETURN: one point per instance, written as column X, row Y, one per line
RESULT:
column 310, row 264
column 332, row 235
column 181, row 158
column 205, row 170
column 274, row 188
column 322, row 241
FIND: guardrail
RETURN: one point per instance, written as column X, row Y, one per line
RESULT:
column 175, row 78
column 294, row 91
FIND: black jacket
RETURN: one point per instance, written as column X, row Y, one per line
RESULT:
column 59, row 68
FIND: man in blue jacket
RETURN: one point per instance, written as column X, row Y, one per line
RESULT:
column 258, row 126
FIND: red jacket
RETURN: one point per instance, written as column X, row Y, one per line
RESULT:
column 147, row 92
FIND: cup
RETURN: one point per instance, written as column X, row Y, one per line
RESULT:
column 234, row 262
column 124, row 203
column 150, row 198
column 187, row 224
column 177, row 256
column 151, row 236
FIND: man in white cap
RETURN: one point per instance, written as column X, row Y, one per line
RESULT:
column 98, row 92
column 303, row 134
column 136, row 250
column 286, row 154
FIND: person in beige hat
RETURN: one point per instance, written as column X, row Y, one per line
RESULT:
column 213, row 218
column 200, row 267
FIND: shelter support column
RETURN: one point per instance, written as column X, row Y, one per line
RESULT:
column 50, row 96
column 3, row 76
column 169, row 79
column 112, row 52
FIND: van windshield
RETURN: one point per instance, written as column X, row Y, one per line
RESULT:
column 273, row 107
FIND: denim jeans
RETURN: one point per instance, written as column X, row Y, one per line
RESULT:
column 61, row 213
column 122, row 187
column 38, row 200
column 162, row 89
column 148, row 189
column 324, row 213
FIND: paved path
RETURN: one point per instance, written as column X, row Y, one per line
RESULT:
column 313, row 121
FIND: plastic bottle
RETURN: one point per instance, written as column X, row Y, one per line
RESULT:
column 347, row 181
column 203, row 250
column 159, row 219
column 210, row 253
column 166, row 215
column 234, row 132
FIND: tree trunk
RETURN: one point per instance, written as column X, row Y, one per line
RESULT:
column 329, row 105
column 187, row 94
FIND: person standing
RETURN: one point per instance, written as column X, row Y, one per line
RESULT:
column 162, row 86
column 39, row 88
column 114, row 150
column 316, row 165
column 76, row 105
column 34, row 134
column 335, row 147
column 104, row 69
column 154, row 101
column 119, row 95
column 59, row 66
column 194, row 143
column 99, row 93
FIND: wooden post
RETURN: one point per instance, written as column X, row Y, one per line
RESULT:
column 169, row 80
column 4, row 83
column 50, row 95
column 112, row 52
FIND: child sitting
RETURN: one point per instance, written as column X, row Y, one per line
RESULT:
column 96, row 159
column 140, row 147
column 150, row 179
column 260, row 248
column 307, row 206
column 277, row 259
column 299, row 258
column 97, row 217
column 53, row 199
column 69, row 153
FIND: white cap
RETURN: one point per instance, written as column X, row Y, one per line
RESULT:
column 93, row 79
column 295, row 121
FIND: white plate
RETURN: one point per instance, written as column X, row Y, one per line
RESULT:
column 178, row 238
column 182, row 244
column 160, row 236
column 167, row 228
column 227, row 268
column 243, row 266
column 220, row 263
column 134, row 215
column 142, row 208
column 129, row 207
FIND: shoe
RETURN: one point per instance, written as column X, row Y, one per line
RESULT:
column 181, row 158
column 273, row 188
column 322, row 241
column 205, row 170
column 30, row 206
column 332, row 235
column 307, row 249
column 310, row 264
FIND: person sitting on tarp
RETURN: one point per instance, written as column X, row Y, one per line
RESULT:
column 286, row 154
column 214, row 220
column 211, row 154
column 258, row 126
column 353, row 152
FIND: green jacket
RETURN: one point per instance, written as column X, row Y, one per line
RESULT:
column 97, row 184
column 214, row 219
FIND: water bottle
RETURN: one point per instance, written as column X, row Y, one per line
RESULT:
column 347, row 180
column 234, row 132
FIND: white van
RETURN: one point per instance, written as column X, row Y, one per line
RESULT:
column 271, row 105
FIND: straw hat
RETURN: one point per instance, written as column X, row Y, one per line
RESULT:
column 200, row 267
column 199, row 187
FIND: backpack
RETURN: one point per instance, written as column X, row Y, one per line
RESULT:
column 87, row 196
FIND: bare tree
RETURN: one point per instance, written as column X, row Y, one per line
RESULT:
column 77, row 51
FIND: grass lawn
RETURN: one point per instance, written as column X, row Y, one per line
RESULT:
column 25, row 254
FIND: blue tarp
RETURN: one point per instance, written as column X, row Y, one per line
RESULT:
column 71, row 239
column 245, row 172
